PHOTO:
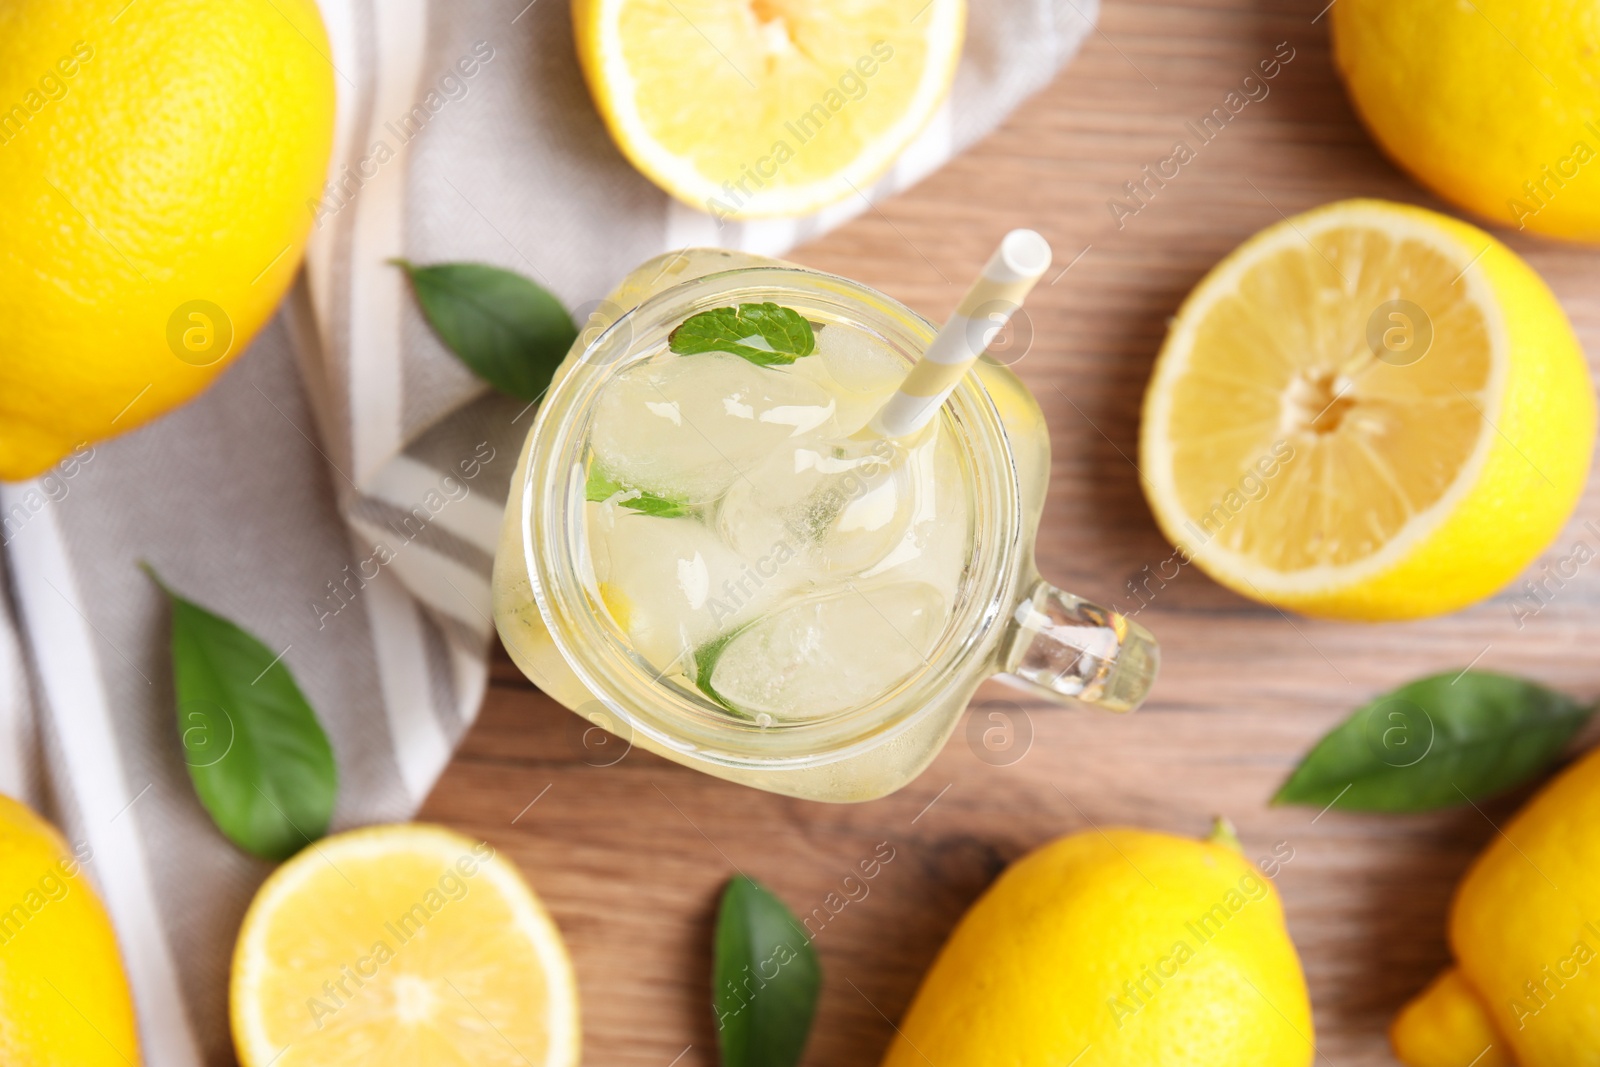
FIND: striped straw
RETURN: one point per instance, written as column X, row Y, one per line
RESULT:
column 1010, row 274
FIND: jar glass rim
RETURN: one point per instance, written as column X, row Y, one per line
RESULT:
column 551, row 534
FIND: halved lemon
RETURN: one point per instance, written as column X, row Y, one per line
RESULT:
column 1369, row 411
column 401, row 944
column 751, row 108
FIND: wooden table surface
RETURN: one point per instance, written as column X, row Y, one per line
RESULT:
column 630, row 857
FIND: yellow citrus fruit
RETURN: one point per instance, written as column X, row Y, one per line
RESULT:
column 160, row 161
column 405, row 943
column 59, row 966
column 1446, row 1026
column 1525, row 932
column 778, row 107
column 1493, row 104
column 1369, row 411
column 1125, row 948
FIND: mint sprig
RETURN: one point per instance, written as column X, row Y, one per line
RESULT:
column 705, row 662
column 765, row 334
column 602, row 487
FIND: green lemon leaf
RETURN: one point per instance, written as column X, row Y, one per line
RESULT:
column 765, row 334
column 1438, row 741
column 257, row 756
column 601, row 486
column 507, row 330
column 765, row 979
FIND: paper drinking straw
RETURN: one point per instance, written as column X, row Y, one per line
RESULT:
column 1019, row 262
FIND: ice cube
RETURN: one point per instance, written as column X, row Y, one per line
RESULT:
column 671, row 584
column 687, row 427
column 857, row 369
column 826, row 654
column 844, row 504
column 937, row 541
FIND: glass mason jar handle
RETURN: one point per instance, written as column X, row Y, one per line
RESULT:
column 1072, row 650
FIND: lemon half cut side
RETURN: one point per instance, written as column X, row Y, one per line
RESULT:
column 770, row 107
column 1368, row 411
column 401, row 944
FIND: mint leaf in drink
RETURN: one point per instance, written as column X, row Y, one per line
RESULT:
column 765, row 334
column 1439, row 741
column 602, row 487
column 764, row 979
column 705, row 662
column 507, row 330
column 257, row 756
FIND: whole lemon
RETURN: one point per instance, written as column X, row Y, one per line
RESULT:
column 1525, row 932
column 1492, row 104
column 1122, row 948
column 59, row 967
column 160, row 162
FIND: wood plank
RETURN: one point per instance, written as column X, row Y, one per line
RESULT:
column 630, row 857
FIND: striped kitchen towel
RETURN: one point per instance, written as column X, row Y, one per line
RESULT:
column 344, row 428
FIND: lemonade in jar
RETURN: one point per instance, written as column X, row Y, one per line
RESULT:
column 714, row 552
